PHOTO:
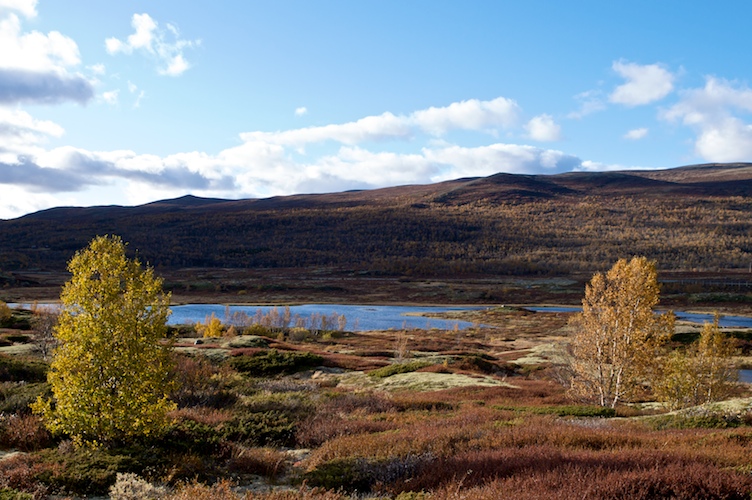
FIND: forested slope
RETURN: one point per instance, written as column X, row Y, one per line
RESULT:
column 697, row 217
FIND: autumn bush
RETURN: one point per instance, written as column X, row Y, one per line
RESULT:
column 274, row 362
column 395, row 368
column 17, row 369
column 23, row 432
column 15, row 397
column 200, row 382
column 264, row 461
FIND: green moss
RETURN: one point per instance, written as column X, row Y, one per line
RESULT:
column 19, row 370
column 563, row 410
column 273, row 362
column 16, row 397
column 393, row 369
column 11, row 494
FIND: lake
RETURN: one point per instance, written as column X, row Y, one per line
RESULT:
column 724, row 321
column 359, row 317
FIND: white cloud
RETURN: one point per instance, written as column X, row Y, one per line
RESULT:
column 645, row 83
column 464, row 115
column 35, row 51
column 21, row 134
column 590, row 101
column 98, row 69
column 716, row 112
column 26, row 7
column 636, row 134
column 370, row 128
column 36, row 67
column 150, row 39
column 301, row 111
column 468, row 115
column 727, row 141
column 509, row 158
column 543, row 128
column 266, row 164
column 111, row 97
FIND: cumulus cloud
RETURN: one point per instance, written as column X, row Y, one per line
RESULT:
column 26, row 7
column 543, row 128
column 23, row 86
column 36, row 68
column 716, row 112
column 509, row 158
column 22, row 135
column 370, row 128
column 636, row 134
column 464, row 115
column 301, row 111
column 150, row 39
column 644, row 83
column 268, row 164
column 468, row 115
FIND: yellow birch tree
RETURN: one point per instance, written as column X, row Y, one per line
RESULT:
column 617, row 334
column 702, row 373
column 110, row 372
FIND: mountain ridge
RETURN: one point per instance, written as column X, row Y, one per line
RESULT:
column 502, row 223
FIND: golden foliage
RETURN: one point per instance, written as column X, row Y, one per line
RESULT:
column 701, row 374
column 109, row 375
column 617, row 333
column 211, row 327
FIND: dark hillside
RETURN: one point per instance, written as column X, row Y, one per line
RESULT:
column 697, row 217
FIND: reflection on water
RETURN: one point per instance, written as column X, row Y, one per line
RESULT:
column 359, row 318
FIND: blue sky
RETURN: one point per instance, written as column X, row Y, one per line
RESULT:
column 133, row 101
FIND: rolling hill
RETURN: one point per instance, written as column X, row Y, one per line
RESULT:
column 693, row 217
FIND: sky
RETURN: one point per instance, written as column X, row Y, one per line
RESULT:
column 128, row 102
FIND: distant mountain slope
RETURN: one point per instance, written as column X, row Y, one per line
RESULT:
column 698, row 216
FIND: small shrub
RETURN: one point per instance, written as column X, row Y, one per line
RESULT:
column 129, row 486
column 275, row 362
column 15, row 397
column 11, row 494
column 190, row 436
column 83, row 471
column 271, row 428
column 475, row 364
column 563, row 410
column 246, row 341
column 396, row 368
column 200, row 383
column 195, row 490
column 700, row 419
column 20, row 370
column 259, row 330
column 364, row 475
column 267, row 462
column 5, row 314
column 25, row 433
column 298, row 334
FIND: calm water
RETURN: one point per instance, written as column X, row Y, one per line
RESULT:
column 745, row 376
column 359, row 318
column 725, row 321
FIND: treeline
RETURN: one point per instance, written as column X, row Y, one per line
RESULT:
column 521, row 236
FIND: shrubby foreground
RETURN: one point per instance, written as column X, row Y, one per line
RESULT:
column 285, row 413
